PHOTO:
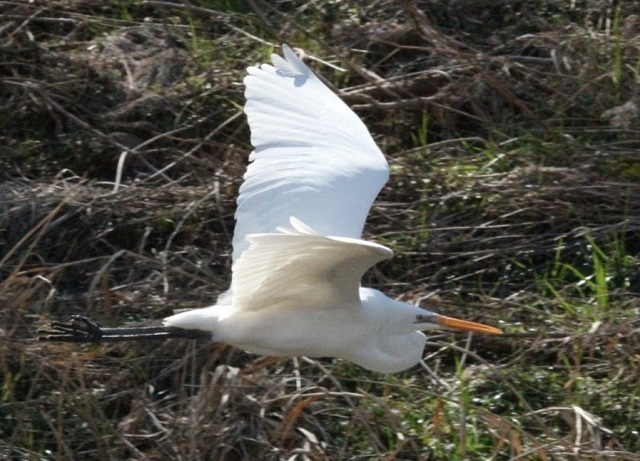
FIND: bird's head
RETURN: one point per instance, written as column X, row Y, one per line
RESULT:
column 400, row 317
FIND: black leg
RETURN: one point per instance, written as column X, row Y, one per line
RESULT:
column 82, row 330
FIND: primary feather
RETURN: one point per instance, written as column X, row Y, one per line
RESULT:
column 314, row 159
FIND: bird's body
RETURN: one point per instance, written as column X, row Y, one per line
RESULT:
column 298, row 256
column 364, row 333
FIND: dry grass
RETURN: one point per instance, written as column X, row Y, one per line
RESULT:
column 512, row 131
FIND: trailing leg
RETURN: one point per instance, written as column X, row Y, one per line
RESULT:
column 82, row 330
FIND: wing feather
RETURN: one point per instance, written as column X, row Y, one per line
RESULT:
column 301, row 269
column 314, row 158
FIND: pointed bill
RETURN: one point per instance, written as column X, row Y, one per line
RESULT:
column 464, row 325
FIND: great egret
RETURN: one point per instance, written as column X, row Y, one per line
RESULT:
column 298, row 257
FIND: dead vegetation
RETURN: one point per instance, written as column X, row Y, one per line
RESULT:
column 512, row 131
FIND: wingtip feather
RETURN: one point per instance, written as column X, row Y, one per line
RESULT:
column 291, row 65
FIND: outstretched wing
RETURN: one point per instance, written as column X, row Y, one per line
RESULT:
column 299, row 268
column 314, row 159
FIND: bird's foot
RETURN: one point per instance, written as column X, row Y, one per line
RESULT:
column 78, row 330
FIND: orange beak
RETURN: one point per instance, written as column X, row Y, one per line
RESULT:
column 464, row 325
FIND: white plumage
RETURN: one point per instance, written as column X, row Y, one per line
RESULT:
column 298, row 257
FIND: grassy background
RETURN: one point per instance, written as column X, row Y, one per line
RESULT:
column 513, row 134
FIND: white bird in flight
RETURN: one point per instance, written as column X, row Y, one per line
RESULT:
column 298, row 256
